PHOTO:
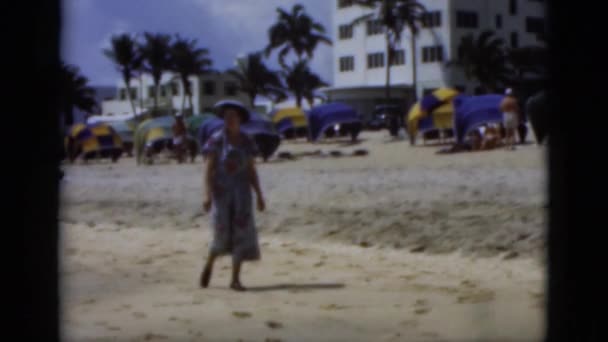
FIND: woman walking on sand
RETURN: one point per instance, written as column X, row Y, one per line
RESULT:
column 230, row 175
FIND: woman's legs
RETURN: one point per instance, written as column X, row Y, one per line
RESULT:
column 235, row 284
column 208, row 270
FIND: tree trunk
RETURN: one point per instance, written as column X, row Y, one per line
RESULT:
column 156, row 94
column 184, row 95
column 298, row 100
column 191, row 106
column 387, row 89
column 141, row 90
column 252, row 96
column 127, row 80
column 414, row 67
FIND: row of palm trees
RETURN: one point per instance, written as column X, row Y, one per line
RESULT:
column 156, row 54
column 295, row 33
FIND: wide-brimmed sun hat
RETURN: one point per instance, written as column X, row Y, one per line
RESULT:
column 221, row 106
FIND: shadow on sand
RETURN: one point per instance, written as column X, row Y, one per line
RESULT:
column 295, row 287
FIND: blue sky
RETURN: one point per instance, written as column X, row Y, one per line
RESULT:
column 226, row 27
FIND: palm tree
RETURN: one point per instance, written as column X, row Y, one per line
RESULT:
column 124, row 53
column 484, row 59
column 527, row 60
column 256, row 79
column 155, row 52
column 395, row 16
column 188, row 60
column 302, row 82
column 295, row 31
column 74, row 92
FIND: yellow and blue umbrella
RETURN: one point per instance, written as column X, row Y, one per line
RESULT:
column 434, row 111
column 289, row 118
column 93, row 138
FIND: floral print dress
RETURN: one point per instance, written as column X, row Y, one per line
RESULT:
column 232, row 217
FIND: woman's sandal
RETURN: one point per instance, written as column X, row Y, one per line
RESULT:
column 205, row 277
column 237, row 287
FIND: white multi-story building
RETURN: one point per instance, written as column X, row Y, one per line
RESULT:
column 206, row 91
column 360, row 51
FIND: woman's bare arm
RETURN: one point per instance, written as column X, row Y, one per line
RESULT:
column 208, row 176
column 254, row 179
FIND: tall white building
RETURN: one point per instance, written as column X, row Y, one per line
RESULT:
column 206, row 91
column 360, row 52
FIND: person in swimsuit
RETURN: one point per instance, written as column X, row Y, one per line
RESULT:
column 511, row 112
column 230, row 176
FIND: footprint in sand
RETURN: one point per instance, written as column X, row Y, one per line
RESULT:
column 150, row 337
column 274, row 325
column 89, row 301
column 480, row 296
column 241, row 314
column 468, row 283
column 299, row 251
column 139, row 315
column 421, row 307
column 319, row 264
column 333, row 307
column 409, row 276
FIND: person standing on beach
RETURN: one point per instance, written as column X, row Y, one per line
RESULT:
column 230, row 175
column 511, row 112
column 179, row 137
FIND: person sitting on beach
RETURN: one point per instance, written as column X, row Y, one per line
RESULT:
column 179, row 137
column 510, row 110
column 230, row 176
column 491, row 138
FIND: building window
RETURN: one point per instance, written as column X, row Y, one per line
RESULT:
column 133, row 93
column 514, row 40
column 498, row 21
column 230, row 89
column 174, row 89
column 467, row 19
column 513, row 7
column 209, row 88
column 535, row 25
column 163, row 91
column 345, row 31
column 398, row 58
column 432, row 54
column 151, row 91
column 122, row 94
column 344, row 3
column 347, row 63
column 375, row 60
column 374, row 27
column 431, row 19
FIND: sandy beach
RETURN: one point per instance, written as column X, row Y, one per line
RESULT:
column 399, row 245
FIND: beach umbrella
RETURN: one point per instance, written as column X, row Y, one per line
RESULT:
column 98, row 139
column 473, row 111
column 124, row 129
column 291, row 118
column 195, row 121
column 324, row 116
column 150, row 131
column 437, row 98
column 434, row 111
